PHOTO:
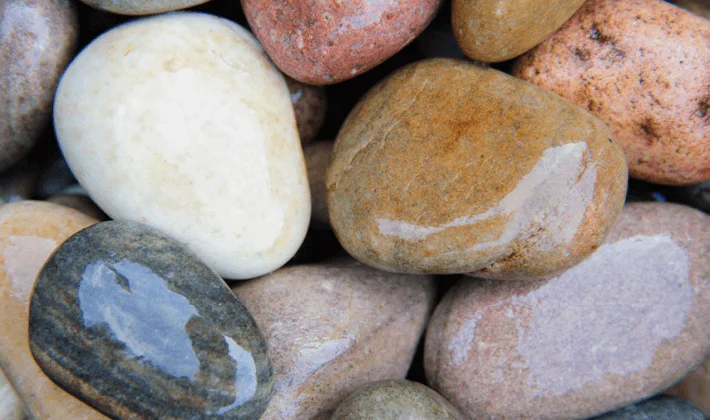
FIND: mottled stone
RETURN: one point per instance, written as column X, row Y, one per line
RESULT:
column 11, row 407
column 179, row 121
column 95, row 310
column 394, row 400
column 623, row 325
column 695, row 387
column 654, row 96
column 661, row 408
column 496, row 176
column 309, row 104
column 19, row 182
column 498, row 30
column 38, row 40
column 29, row 232
column 142, row 7
column 334, row 327
column 79, row 202
column 324, row 42
column 317, row 157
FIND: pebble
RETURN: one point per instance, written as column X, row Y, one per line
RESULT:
column 11, row 407
column 179, row 121
column 29, row 232
column 142, row 7
column 394, row 400
column 309, row 104
column 447, row 167
column 661, row 408
column 623, row 325
column 333, row 327
column 317, row 157
column 94, row 313
column 80, row 202
column 334, row 40
column 19, row 182
column 498, row 30
column 39, row 38
column 653, row 95
column 695, row 387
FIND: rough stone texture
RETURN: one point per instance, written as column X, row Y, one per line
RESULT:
column 324, row 42
column 653, row 95
column 19, row 182
column 661, row 408
column 498, row 30
column 695, row 387
column 96, row 308
column 334, row 327
column 142, row 7
column 309, row 104
column 623, row 325
column 38, row 41
column 80, row 202
column 394, row 400
column 317, row 157
column 11, row 407
column 181, row 122
column 448, row 167
column 29, row 232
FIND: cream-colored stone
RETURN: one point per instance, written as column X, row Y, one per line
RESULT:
column 180, row 121
column 29, row 232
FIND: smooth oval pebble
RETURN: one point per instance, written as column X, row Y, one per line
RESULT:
column 623, row 325
column 695, row 387
column 447, row 167
column 661, row 408
column 179, row 121
column 131, row 322
column 39, row 38
column 394, row 400
column 11, row 407
column 29, row 232
column 653, row 95
column 498, row 30
column 309, row 104
column 332, row 41
column 333, row 327
column 142, row 7
column 317, row 157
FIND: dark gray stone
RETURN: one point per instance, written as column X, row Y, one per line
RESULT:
column 660, row 408
column 131, row 322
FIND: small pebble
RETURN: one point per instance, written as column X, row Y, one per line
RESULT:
column 317, row 157
column 661, row 408
column 309, row 104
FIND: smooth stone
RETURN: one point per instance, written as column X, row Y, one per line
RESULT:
column 19, row 182
column 332, row 41
column 81, row 203
column 309, row 104
column 94, row 313
column 498, row 30
column 29, row 232
column 653, row 95
column 333, row 327
column 39, row 38
column 179, row 121
column 496, row 176
column 695, row 387
column 11, row 407
column 623, row 325
column 394, row 400
column 142, row 7
column 661, row 408
column 317, row 157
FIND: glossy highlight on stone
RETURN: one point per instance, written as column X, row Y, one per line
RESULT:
column 131, row 322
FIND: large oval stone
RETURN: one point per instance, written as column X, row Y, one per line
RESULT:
column 448, row 167
column 623, row 325
column 180, row 121
column 131, row 322
column 333, row 327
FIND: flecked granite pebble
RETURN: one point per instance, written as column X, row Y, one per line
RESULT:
column 142, row 7
column 395, row 400
column 39, row 38
column 448, row 167
column 660, row 408
column 131, row 322
column 29, row 232
column 625, row 324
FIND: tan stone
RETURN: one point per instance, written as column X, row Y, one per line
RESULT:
column 641, row 66
column 623, row 325
column 334, row 327
column 695, row 388
column 498, row 30
column 29, row 232
column 446, row 167
column 317, row 157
